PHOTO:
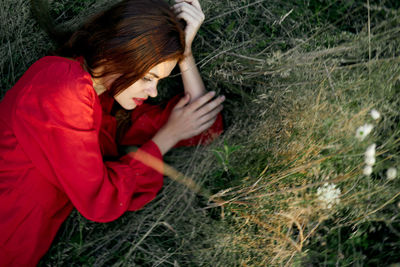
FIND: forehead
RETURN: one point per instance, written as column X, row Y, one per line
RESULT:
column 163, row 69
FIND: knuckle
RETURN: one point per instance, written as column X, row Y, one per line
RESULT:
column 207, row 118
column 208, row 108
column 217, row 110
column 215, row 113
column 216, row 104
column 212, row 120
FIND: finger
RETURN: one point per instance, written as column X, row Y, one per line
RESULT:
column 185, row 16
column 210, row 106
column 205, row 126
column 201, row 101
column 191, row 10
column 189, row 6
column 192, row 2
column 183, row 101
column 211, row 115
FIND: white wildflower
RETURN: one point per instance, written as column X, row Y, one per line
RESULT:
column 364, row 131
column 328, row 195
column 370, row 161
column 367, row 170
column 391, row 173
column 375, row 114
column 370, row 152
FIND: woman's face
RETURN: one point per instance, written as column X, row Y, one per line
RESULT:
column 146, row 87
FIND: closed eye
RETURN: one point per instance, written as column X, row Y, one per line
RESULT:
column 147, row 79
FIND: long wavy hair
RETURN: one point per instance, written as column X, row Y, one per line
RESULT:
column 128, row 39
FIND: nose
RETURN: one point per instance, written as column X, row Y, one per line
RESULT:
column 152, row 91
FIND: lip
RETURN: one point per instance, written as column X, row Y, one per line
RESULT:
column 138, row 101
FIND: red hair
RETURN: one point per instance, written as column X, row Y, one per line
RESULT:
column 128, row 39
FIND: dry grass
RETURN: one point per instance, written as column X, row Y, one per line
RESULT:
column 314, row 143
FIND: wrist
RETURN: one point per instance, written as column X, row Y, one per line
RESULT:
column 188, row 53
column 165, row 140
column 187, row 63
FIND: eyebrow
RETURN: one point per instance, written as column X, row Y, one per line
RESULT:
column 155, row 75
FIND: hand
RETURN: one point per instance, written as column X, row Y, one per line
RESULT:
column 188, row 120
column 190, row 11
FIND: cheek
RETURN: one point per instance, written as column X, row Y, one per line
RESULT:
column 135, row 90
column 136, row 87
column 124, row 96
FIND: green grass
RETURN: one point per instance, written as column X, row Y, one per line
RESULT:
column 300, row 78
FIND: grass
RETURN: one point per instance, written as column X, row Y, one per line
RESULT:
column 300, row 78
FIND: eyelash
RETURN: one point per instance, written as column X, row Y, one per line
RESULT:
column 147, row 79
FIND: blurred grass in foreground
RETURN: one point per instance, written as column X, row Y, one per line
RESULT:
column 300, row 78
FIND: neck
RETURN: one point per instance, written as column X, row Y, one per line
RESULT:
column 98, row 87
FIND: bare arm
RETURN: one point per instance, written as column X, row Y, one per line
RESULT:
column 192, row 82
column 198, row 110
column 191, row 12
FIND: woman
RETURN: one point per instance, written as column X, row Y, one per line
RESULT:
column 56, row 127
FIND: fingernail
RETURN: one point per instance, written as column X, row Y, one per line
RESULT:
column 212, row 93
column 222, row 97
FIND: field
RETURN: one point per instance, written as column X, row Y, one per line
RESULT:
column 307, row 170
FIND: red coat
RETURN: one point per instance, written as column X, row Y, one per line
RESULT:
column 54, row 132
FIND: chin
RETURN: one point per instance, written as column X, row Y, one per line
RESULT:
column 127, row 106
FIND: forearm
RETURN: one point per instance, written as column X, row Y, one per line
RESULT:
column 164, row 141
column 192, row 82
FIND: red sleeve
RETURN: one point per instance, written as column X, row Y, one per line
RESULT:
column 148, row 119
column 57, row 121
